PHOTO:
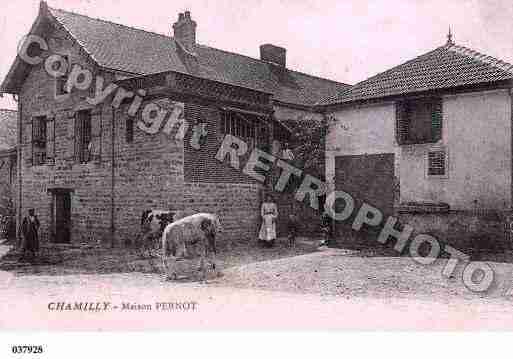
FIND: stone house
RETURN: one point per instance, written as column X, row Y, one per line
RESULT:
column 89, row 170
column 430, row 141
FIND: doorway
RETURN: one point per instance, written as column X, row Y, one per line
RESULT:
column 62, row 216
column 367, row 178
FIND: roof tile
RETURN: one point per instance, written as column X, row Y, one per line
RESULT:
column 447, row 66
column 141, row 52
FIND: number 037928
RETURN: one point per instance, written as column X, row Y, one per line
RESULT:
column 27, row 349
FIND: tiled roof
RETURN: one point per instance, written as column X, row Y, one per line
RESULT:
column 8, row 120
column 141, row 52
column 447, row 66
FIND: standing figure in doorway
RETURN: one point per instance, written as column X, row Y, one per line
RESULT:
column 326, row 229
column 293, row 227
column 269, row 213
column 30, row 229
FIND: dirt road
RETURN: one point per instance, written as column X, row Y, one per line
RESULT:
column 138, row 301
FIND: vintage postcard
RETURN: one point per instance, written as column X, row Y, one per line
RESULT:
column 256, row 165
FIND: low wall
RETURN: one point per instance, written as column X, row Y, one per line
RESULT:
column 467, row 231
column 479, row 234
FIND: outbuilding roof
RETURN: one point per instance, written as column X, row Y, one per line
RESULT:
column 447, row 66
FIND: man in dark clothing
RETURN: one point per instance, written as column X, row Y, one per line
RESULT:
column 29, row 229
column 293, row 227
column 326, row 229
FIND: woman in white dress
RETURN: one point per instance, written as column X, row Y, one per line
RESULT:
column 269, row 213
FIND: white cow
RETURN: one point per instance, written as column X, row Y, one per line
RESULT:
column 189, row 237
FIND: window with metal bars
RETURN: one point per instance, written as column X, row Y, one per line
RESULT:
column 437, row 163
column 245, row 126
column 39, row 140
column 83, row 136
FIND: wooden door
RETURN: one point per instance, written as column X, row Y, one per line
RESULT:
column 367, row 178
column 62, row 217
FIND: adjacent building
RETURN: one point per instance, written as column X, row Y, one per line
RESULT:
column 430, row 141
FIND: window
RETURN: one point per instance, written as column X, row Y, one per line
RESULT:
column 129, row 134
column 39, row 140
column 251, row 128
column 83, row 136
column 419, row 121
column 437, row 163
column 237, row 125
column 60, row 82
column 263, row 138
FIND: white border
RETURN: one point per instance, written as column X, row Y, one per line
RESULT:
column 260, row 345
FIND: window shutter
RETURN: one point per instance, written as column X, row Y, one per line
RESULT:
column 437, row 162
column 28, row 146
column 224, row 122
column 79, row 137
column 436, row 120
column 96, row 135
column 129, row 131
column 70, row 148
column 50, row 140
column 401, row 122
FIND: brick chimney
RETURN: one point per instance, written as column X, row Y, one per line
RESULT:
column 185, row 31
column 274, row 54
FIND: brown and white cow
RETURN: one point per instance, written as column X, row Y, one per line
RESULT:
column 153, row 222
column 190, row 237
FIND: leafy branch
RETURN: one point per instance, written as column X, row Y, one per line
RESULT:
column 308, row 143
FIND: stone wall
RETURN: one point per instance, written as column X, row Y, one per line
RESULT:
column 159, row 171
column 89, row 182
column 8, row 185
column 8, row 180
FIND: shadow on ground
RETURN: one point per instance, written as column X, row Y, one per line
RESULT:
column 93, row 259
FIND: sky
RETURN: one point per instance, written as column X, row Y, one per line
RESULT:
column 346, row 41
